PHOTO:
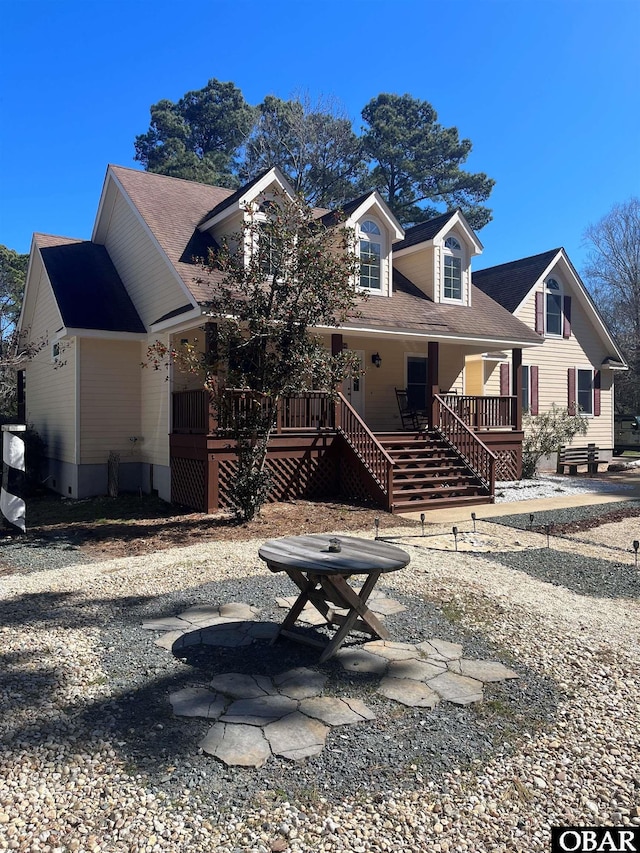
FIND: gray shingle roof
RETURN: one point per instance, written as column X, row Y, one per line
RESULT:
column 87, row 288
column 508, row 284
column 423, row 231
column 409, row 308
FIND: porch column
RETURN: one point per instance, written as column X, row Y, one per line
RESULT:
column 516, row 385
column 211, row 358
column 433, row 372
column 336, row 348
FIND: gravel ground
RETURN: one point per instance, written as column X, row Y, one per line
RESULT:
column 92, row 759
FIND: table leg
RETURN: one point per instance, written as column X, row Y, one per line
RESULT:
column 356, row 603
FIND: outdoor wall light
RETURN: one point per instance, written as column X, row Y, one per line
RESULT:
column 376, row 359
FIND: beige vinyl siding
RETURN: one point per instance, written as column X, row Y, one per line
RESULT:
column 418, row 267
column 380, row 405
column 554, row 358
column 474, row 377
column 491, row 370
column 110, row 380
column 183, row 380
column 154, row 417
column 584, row 349
column 145, row 273
column 50, row 388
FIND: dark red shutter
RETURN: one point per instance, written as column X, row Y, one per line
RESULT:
column 540, row 313
column 504, row 380
column 596, row 392
column 571, row 390
column 566, row 328
column 533, row 390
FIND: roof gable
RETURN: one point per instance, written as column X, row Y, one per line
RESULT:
column 86, row 286
column 246, row 194
column 433, row 229
column 509, row 284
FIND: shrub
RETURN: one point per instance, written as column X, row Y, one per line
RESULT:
column 546, row 433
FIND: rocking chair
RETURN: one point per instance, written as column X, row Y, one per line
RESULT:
column 411, row 418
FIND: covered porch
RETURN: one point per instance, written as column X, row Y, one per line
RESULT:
column 324, row 447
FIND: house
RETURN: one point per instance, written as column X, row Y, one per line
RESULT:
column 424, row 327
column 576, row 365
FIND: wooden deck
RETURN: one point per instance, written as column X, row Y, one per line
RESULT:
column 322, row 449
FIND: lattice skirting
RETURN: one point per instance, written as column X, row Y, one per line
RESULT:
column 506, row 464
column 188, row 483
column 308, row 477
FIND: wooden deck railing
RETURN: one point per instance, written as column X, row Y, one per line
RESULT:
column 483, row 412
column 193, row 411
column 463, row 440
column 366, row 447
column 196, row 411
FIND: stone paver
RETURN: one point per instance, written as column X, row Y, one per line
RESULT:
column 286, row 715
column 483, row 670
column 360, row 660
column 300, row 683
column 417, row 670
column 415, row 694
column 259, row 710
column 243, row 746
column 241, row 686
column 336, row 712
column 441, row 649
column 296, row 737
column 198, row 702
column 457, row 688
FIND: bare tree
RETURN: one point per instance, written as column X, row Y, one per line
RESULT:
column 613, row 275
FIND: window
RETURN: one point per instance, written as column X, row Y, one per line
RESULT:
column 267, row 251
column 417, row 382
column 553, row 307
column 370, row 250
column 452, row 270
column 585, row 391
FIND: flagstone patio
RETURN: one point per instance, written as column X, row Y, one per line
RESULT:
column 256, row 716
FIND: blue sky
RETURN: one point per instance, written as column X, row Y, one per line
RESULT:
column 547, row 91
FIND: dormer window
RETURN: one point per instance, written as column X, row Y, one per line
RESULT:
column 370, row 252
column 452, row 270
column 553, row 307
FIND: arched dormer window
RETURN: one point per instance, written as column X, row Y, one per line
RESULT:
column 553, row 307
column 370, row 252
column 452, row 270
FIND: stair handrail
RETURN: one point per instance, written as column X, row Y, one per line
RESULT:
column 465, row 442
column 366, row 446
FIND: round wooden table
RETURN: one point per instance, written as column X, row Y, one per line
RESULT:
column 319, row 565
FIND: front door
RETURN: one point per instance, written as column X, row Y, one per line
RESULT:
column 354, row 386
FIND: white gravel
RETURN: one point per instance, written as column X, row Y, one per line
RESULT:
column 67, row 783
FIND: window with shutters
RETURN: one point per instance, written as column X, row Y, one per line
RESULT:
column 553, row 307
column 553, row 310
column 584, row 391
column 529, row 396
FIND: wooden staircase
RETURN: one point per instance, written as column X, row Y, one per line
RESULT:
column 428, row 474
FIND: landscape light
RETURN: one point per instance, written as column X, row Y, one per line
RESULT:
column 636, row 545
column 455, row 536
column 473, row 518
column 376, row 521
column 422, row 522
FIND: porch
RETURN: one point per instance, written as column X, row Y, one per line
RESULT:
column 322, row 448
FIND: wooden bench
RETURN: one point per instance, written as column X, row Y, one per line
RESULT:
column 571, row 457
